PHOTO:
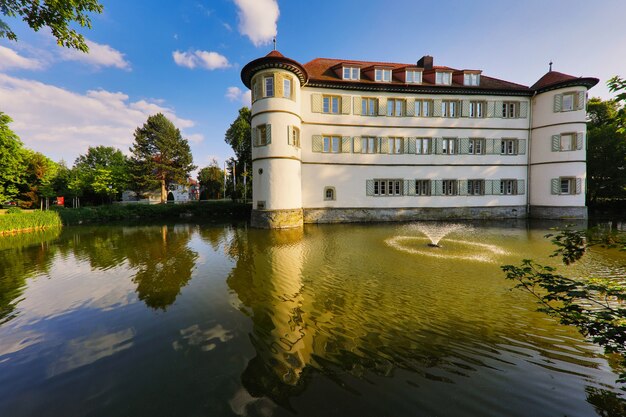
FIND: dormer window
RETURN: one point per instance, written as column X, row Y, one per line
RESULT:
column 382, row 75
column 413, row 77
column 471, row 79
column 351, row 73
column 443, row 78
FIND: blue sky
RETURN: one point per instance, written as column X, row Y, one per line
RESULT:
column 184, row 58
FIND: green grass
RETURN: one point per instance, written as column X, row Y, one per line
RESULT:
column 218, row 211
column 28, row 220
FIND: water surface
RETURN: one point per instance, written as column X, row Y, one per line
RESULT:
column 342, row 320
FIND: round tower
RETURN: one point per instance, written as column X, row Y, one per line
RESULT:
column 558, row 156
column 275, row 82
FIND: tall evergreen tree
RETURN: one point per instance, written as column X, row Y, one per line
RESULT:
column 160, row 155
column 12, row 164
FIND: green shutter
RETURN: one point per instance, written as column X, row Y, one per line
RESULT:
column 497, row 109
column 346, row 144
column 488, row 187
column 346, row 104
column 521, row 187
column 318, row 143
column 357, row 102
column 490, row 146
column 409, row 187
column 491, row 106
column 462, row 187
column 523, row 109
column 580, row 102
column 411, row 148
column 556, row 143
column 438, row 144
column 383, row 145
column 555, row 188
column 465, row 108
column 437, row 187
column 316, row 103
column 255, row 140
column 268, row 130
column 558, row 102
column 406, row 187
column 278, row 85
column 579, row 185
column 579, row 140
column 289, row 135
column 521, row 146
column 356, row 144
column 497, row 187
column 369, row 187
column 410, row 107
column 464, row 146
column 436, row 108
column 382, row 106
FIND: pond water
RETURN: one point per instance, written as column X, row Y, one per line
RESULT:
column 336, row 320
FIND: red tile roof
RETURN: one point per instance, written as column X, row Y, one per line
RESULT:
column 321, row 70
column 554, row 79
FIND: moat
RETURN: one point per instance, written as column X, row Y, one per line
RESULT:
column 333, row 320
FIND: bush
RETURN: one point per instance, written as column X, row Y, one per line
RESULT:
column 14, row 210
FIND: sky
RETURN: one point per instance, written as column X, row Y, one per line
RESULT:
column 184, row 58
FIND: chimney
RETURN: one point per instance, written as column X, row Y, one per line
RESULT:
column 425, row 62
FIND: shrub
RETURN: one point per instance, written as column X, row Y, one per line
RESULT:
column 33, row 220
column 14, row 210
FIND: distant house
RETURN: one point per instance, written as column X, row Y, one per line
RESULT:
column 176, row 192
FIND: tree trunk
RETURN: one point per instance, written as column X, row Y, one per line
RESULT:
column 163, row 192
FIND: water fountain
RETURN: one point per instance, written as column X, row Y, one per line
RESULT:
column 437, row 231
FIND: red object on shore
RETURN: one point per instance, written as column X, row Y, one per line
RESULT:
column 60, row 201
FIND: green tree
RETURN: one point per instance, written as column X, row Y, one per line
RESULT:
column 54, row 14
column 618, row 85
column 596, row 306
column 160, row 155
column 211, row 180
column 12, row 164
column 239, row 137
column 103, row 172
column 606, row 154
column 40, row 174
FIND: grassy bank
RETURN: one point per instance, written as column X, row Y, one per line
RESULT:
column 28, row 221
column 217, row 211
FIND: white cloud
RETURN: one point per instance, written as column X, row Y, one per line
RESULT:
column 257, row 20
column 203, row 59
column 63, row 124
column 9, row 59
column 235, row 94
column 98, row 56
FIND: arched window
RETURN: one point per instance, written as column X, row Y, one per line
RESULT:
column 329, row 194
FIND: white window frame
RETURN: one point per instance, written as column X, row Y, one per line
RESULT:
column 476, row 146
column 413, row 77
column 333, row 194
column 567, row 139
column 508, row 146
column 353, row 73
column 570, row 96
column 477, row 109
column 396, row 107
column 396, row 145
column 369, row 106
column 268, row 86
column 382, row 75
column 423, row 108
column 331, row 144
column 423, row 144
column 449, row 146
column 443, row 78
column 471, row 79
column 295, row 136
column 422, row 187
column 369, row 144
column 571, row 185
column 449, row 187
column 261, row 135
column 388, row 187
column 450, row 108
column 476, row 187
column 510, row 110
column 332, row 104
column 508, row 186
column 287, row 88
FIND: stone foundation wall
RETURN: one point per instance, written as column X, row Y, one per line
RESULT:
column 348, row 215
column 276, row 219
column 558, row 212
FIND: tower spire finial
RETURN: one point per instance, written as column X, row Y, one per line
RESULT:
column 550, row 65
column 274, row 40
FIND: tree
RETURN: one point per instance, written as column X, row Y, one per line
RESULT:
column 239, row 137
column 56, row 15
column 160, row 155
column 618, row 85
column 40, row 174
column 103, row 171
column 606, row 155
column 211, row 180
column 596, row 306
column 12, row 164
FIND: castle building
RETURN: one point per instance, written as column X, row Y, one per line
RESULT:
column 345, row 141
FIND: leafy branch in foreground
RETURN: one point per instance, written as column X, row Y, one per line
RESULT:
column 596, row 306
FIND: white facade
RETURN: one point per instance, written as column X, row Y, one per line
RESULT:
column 506, row 149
